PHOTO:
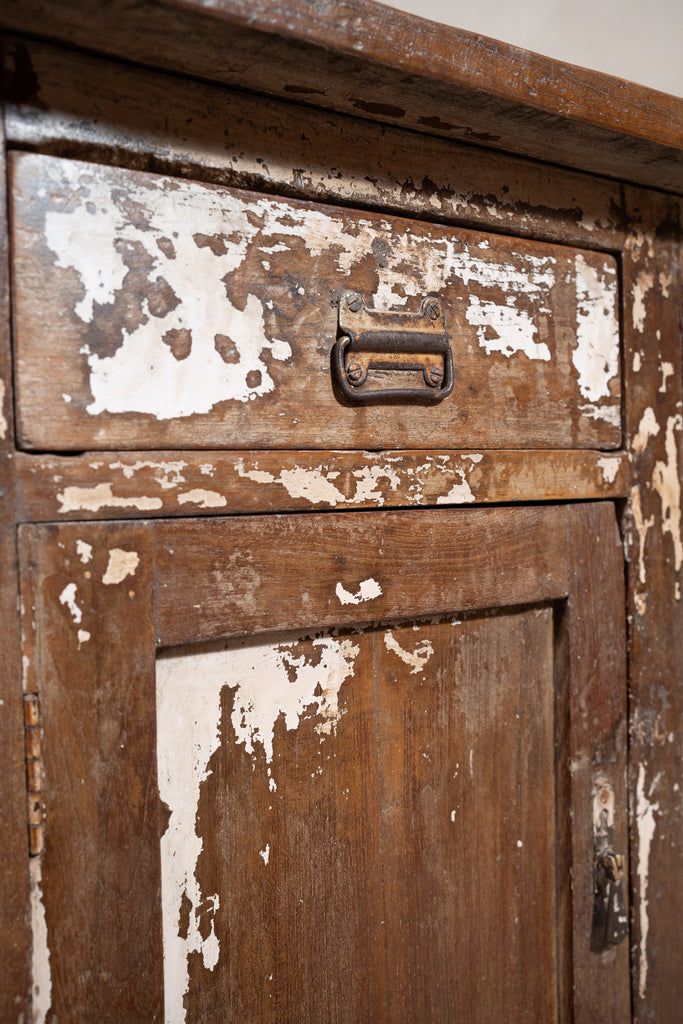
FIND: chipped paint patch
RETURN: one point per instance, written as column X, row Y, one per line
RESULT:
column 642, row 526
column 641, row 287
column 121, row 564
column 268, row 680
column 665, row 281
column 367, row 591
column 3, row 418
column 667, row 370
column 459, row 494
column 645, row 815
column 647, row 428
column 416, row 658
column 637, row 362
column 166, row 474
column 41, row 975
column 596, row 356
column 667, row 483
column 92, row 499
column 203, row 498
column 609, row 467
column 68, row 597
column 505, row 329
column 83, row 636
column 84, row 551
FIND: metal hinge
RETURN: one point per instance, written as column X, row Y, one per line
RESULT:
column 34, row 774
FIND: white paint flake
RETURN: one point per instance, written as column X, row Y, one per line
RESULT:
column 666, row 482
column 166, row 474
column 269, row 680
column 84, row 551
column 596, row 356
column 416, row 658
column 637, row 361
column 83, row 636
column 505, row 329
column 609, row 467
column 41, row 975
column 68, row 597
column 664, row 281
column 647, row 428
column 3, row 418
column 367, row 591
column 667, row 370
column 203, row 498
column 641, row 287
column 92, row 499
column 642, row 526
column 459, row 494
column 121, row 564
column 645, row 815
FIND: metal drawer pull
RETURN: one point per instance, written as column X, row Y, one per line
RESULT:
column 373, row 340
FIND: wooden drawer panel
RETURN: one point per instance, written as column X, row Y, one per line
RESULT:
column 156, row 312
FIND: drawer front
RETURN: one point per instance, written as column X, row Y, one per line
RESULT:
column 156, row 312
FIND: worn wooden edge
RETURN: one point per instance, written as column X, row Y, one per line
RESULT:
column 15, row 935
column 181, row 483
column 653, row 357
column 71, row 104
column 214, row 582
column 391, row 67
column 598, row 734
column 95, row 906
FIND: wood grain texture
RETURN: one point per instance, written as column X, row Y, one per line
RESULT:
column 297, row 571
column 653, row 301
column 597, row 744
column 212, row 314
column 96, row 939
column 182, row 483
column 82, row 107
column 14, row 883
column 392, row 67
column 467, row 794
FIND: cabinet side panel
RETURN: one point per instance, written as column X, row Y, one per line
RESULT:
column 96, row 927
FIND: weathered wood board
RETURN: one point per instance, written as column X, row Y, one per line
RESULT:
column 156, row 312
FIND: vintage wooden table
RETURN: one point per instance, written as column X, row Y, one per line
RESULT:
column 341, row 431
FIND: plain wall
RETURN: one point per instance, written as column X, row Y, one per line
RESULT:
column 641, row 40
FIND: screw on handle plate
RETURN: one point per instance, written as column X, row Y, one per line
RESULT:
column 392, row 341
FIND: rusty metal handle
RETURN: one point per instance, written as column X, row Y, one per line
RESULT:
column 370, row 339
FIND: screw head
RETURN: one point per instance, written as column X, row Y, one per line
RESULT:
column 354, row 372
column 435, row 375
column 432, row 309
column 354, row 301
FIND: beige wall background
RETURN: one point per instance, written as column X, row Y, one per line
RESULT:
column 641, row 40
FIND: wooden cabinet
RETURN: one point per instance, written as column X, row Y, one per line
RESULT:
column 328, row 707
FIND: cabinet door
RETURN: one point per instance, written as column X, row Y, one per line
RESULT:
column 329, row 768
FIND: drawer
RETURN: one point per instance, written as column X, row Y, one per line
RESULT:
column 152, row 312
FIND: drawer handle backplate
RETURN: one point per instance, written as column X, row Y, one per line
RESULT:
column 375, row 340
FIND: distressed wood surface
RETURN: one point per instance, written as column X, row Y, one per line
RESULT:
column 596, row 648
column 280, row 570
column 210, row 315
column 182, row 483
column 14, row 876
column 467, row 796
column 96, row 914
column 392, row 67
column 82, row 107
column 653, row 300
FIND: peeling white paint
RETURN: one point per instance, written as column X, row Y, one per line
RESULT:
column 68, row 597
column 83, row 636
column 121, row 564
column 416, row 658
column 609, row 467
column 203, row 498
column 84, row 551
column 317, row 486
column 367, row 591
column 596, row 356
column 667, row 370
column 166, row 474
column 642, row 526
column 664, row 281
column 641, row 287
column 268, row 680
column 645, row 814
column 505, row 329
column 92, row 499
column 459, row 494
column 3, row 418
column 41, row 974
column 637, row 362
column 647, row 428
column 666, row 482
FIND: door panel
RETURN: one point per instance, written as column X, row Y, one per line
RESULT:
column 342, row 806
